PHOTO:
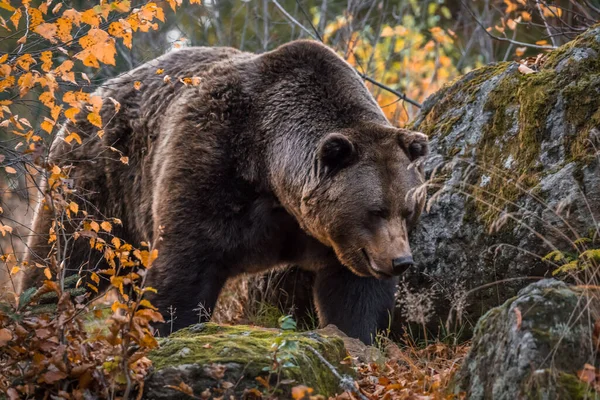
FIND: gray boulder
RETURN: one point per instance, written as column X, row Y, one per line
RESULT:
column 539, row 345
column 514, row 173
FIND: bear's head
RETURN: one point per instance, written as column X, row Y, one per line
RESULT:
column 360, row 199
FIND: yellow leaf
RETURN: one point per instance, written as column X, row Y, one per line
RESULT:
column 16, row 17
column 124, row 160
column 10, row 170
column 137, row 85
column 96, row 103
column 47, row 273
column 520, row 51
column 91, row 18
column 64, row 70
column 47, row 125
column 47, row 31
column 95, row 278
column 6, row 5
column 95, row 119
column 46, row 59
column 55, row 112
column 73, row 136
column 71, row 113
column 4, row 229
column 56, row 170
column 106, row 226
column 74, row 207
column 63, row 28
column 159, row 71
column 14, row 270
column 25, row 61
column 94, row 225
column 100, row 133
column 47, row 99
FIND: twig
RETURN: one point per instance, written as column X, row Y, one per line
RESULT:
column 346, row 382
column 504, row 39
column 539, row 7
column 316, row 35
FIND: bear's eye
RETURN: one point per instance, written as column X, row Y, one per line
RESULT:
column 382, row 213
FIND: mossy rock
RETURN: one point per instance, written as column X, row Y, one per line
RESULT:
column 227, row 360
column 533, row 346
column 508, row 149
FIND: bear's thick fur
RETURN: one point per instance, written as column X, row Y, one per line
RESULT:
column 273, row 159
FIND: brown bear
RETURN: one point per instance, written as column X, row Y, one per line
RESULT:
column 259, row 161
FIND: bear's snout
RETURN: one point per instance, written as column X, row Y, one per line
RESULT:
column 401, row 264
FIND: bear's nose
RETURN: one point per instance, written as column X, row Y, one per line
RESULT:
column 401, row 264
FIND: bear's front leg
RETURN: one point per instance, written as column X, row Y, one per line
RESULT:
column 188, row 289
column 359, row 307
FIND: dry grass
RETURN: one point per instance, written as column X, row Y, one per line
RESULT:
column 411, row 373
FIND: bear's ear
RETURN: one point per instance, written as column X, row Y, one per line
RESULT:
column 415, row 144
column 335, row 152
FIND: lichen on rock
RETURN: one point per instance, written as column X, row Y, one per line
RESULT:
column 507, row 151
column 533, row 346
column 228, row 359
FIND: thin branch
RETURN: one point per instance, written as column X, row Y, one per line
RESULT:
column 315, row 35
column 503, row 39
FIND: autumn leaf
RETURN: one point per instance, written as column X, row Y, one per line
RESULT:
column 124, row 160
column 97, row 46
column 64, row 26
column 74, row 207
column 301, row 392
column 183, row 388
column 5, row 337
column 71, row 113
column 137, row 85
column 14, row 270
column 106, row 226
column 47, row 125
column 95, row 119
column 10, row 170
column 94, row 225
column 91, row 18
column 47, row 31
column 53, row 376
column 46, row 59
column 25, row 61
column 16, row 17
column 47, row 273
column 587, row 374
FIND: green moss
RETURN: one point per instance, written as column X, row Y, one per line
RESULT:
column 566, row 386
column 452, row 98
column 252, row 347
column 519, row 106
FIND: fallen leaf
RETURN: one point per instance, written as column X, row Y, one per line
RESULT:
column 525, row 70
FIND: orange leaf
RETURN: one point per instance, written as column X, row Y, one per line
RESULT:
column 46, row 59
column 71, row 113
column 91, row 18
column 106, row 226
column 73, row 136
column 47, row 31
column 95, row 119
column 16, row 17
column 5, row 337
